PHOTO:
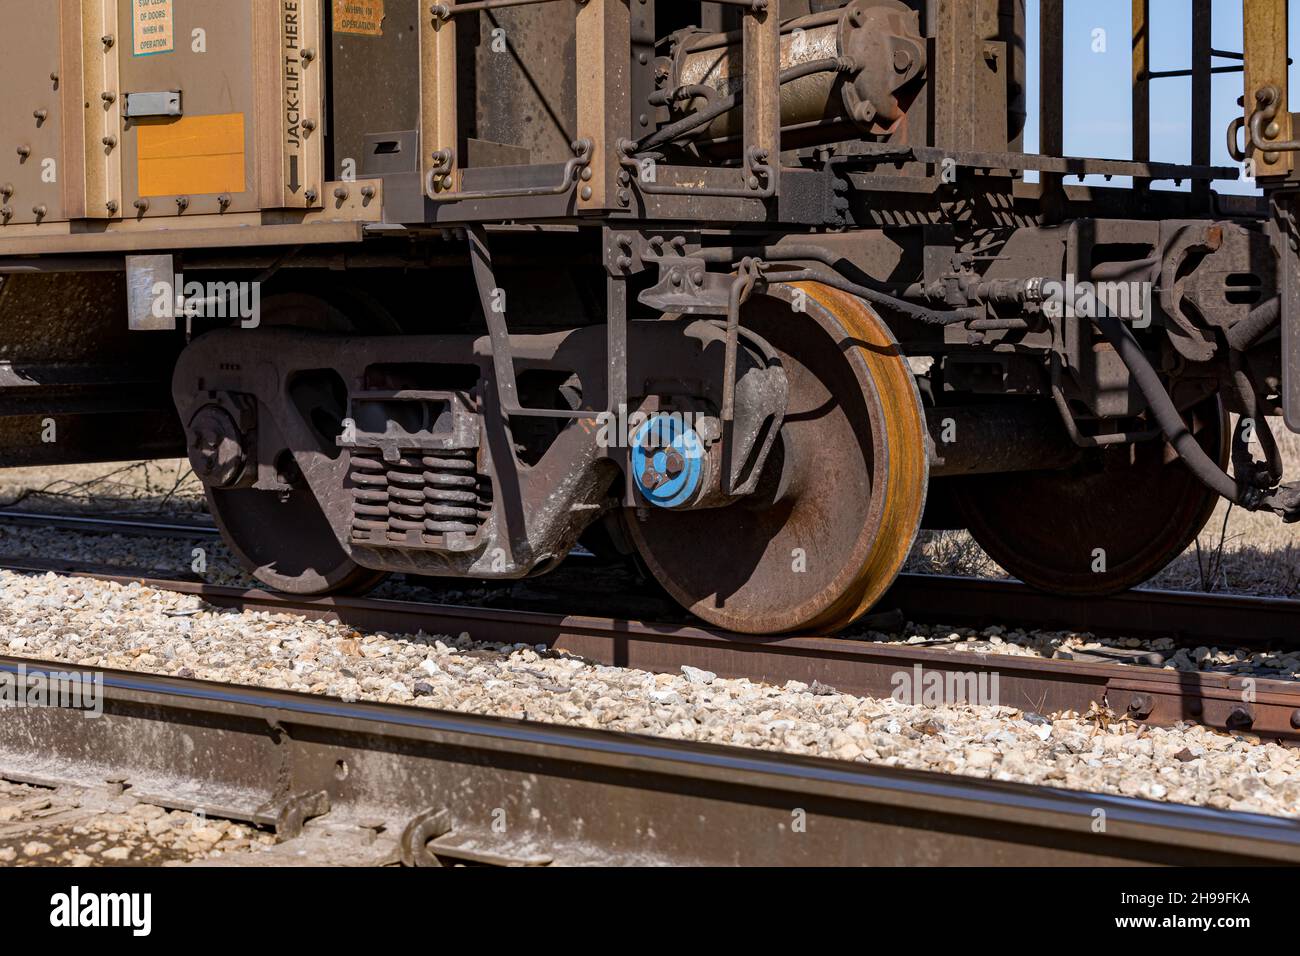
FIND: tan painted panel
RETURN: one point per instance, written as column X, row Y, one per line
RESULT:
column 29, row 50
column 208, row 152
column 1265, row 49
column 289, row 67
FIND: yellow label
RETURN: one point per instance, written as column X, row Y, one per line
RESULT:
column 362, row 17
column 152, row 27
column 193, row 155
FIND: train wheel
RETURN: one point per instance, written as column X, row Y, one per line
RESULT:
column 286, row 541
column 1105, row 525
column 841, row 497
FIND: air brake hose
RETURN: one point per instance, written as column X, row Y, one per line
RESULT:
column 1170, row 419
column 1258, row 321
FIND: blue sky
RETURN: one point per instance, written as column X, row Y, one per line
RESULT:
column 1097, row 99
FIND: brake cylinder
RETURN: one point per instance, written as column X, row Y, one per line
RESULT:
column 876, row 45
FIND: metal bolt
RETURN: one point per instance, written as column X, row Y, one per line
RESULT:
column 624, row 197
column 39, row 211
column 108, row 96
column 141, row 204
column 1271, row 130
column 116, row 784
column 586, row 174
column 41, row 116
column 6, row 213
column 752, row 182
column 367, row 192
column 182, row 203
column 107, row 40
column 340, row 193
column 1295, row 719
column 111, row 206
column 308, row 55
column 586, row 192
column 6, row 190
column 109, row 141
column 24, row 151
column 223, row 201
column 309, row 124
column 902, row 61
column 311, row 195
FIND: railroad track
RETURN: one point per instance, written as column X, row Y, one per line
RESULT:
column 1269, row 708
column 379, row 784
column 111, row 524
column 368, row 771
column 1242, row 620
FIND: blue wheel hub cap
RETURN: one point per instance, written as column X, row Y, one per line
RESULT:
column 667, row 461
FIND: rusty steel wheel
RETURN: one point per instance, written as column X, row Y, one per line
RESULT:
column 841, row 496
column 288, row 544
column 1139, row 504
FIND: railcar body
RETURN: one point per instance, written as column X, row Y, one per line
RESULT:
column 751, row 290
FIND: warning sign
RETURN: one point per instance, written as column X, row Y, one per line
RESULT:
column 362, row 17
column 152, row 27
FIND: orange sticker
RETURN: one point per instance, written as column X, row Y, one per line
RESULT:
column 362, row 17
column 194, row 155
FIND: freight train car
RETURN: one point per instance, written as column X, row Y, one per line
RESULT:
column 752, row 290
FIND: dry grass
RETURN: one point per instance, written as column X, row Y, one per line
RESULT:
column 135, row 488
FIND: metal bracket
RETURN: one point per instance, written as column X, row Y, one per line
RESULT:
column 416, row 836
column 444, row 162
column 135, row 105
column 503, row 363
column 296, row 810
column 1267, row 99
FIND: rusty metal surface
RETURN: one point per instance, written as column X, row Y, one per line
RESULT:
column 851, row 487
column 572, row 796
column 1109, row 523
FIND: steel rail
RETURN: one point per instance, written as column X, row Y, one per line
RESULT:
column 438, row 787
column 1239, row 620
column 109, row 524
column 1269, row 708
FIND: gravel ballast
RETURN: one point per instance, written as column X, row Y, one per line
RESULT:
column 98, row 624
